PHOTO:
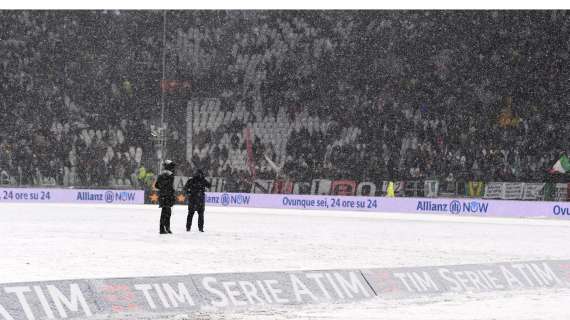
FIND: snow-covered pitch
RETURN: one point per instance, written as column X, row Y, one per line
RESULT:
column 57, row 241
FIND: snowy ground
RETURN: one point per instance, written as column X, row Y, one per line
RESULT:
column 48, row 242
column 525, row 305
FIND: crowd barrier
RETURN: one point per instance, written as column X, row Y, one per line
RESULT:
column 411, row 188
column 449, row 206
column 453, row 206
column 90, row 196
column 418, row 188
column 209, row 292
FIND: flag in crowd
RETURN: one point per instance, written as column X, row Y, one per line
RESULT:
column 562, row 165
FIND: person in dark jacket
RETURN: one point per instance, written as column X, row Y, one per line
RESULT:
column 165, row 185
column 195, row 189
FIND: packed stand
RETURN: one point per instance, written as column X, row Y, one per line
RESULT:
column 364, row 95
column 394, row 95
column 73, row 115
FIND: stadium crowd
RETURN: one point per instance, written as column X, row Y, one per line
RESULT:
column 364, row 95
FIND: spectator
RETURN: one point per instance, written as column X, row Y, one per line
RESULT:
column 330, row 93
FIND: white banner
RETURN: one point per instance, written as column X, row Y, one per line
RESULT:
column 431, row 188
column 321, row 186
column 5, row 178
column 561, row 192
column 494, row 190
column 533, row 191
column 301, row 187
column 217, row 183
column 179, row 182
column 262, row 186
column 513, row 191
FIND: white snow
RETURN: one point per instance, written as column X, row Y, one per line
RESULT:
column 56, row 241
column 523, row 305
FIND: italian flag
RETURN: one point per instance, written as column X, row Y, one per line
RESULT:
column 562, row 165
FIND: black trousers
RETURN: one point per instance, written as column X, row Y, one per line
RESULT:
column 165, row 220
column 191, row 209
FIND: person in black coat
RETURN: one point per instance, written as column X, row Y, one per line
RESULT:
column 165, row 185
column 195, row 189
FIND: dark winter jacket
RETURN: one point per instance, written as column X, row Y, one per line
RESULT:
column 195, row 188
column 165, row 185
